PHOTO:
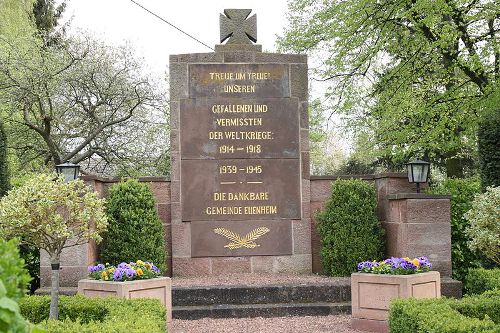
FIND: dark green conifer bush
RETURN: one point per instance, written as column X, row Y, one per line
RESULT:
column 488, row 142
column 4, row 172
column 349, row 229
column 135, row 231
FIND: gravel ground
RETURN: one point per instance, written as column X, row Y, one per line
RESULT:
column 331, row 324
column 254, row 279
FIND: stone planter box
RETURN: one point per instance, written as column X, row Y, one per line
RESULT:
column 371, row 295
column 160, row 288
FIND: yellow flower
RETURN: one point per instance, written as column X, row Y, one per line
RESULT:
column 415, row 262
column 140, row 262
column 139, row 272
column 104, row 274
column 148, row 266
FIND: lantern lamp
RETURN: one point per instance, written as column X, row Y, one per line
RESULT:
column 418, row 172
column 69, row 170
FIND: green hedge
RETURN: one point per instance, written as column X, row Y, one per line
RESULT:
column 135, row 231
column 480, row 280
column 349, row 229
column 478, row 314
column 96, row 315
column 462, row 193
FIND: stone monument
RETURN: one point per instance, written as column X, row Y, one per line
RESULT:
column 240, row 161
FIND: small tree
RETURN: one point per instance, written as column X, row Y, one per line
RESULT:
column 53, row 215
column 484, row 218
column 135, row 230
column 349, row 229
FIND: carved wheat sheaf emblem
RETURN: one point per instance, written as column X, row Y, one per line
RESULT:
column 238, row 242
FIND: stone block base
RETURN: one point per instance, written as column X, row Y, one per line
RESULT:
column 192, row 267
column 370, row 325
column 159, row 288
column 371, row 294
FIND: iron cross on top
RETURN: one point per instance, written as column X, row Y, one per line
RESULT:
column 235, row 26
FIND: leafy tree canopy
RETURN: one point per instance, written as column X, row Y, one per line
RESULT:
column 414, row 74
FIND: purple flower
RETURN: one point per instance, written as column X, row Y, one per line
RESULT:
column 90, row 269
column 100, row 267
column 123, row 265
column 118, row 274
column 130, row 273
column 155, row 269
column 407, row 265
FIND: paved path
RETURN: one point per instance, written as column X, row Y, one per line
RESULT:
column 331, row 324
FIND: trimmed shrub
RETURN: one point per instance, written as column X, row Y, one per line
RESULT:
column 462, row 194
column 12, row 272
column 484, row 219
column 97, row 315
column 488, row 141
column 4, row 171
column 471, row 314
column 480, row 280
column 349, row 229
column 135, row 231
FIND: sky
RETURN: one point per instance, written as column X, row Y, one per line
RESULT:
column 121, row 21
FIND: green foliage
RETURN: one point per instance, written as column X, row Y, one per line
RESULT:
column 488, row 142
column 15, row 21
column 325, row 152
column 462, row 193
column 135, row 230
column 413, row 74
column 480, row 280
column 349, row 229
column 4, row 171
column 354, row 166
column 97, row 315
column 12, row 272
column 46, row 212
column 11, row 320
column 127, row 128
column 484, row 219
column 471, row 314
column 46, row 14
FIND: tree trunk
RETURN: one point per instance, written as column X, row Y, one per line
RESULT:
column 54, row 290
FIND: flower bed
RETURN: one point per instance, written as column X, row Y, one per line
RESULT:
column 377, row 283
column 396, row 266
column 138, row 270
column 128, row 280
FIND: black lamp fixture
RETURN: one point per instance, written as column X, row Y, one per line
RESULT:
column 69, row 170
column 418, row 172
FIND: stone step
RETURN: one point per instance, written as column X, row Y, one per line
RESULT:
column 260, row 310
column 261, row 294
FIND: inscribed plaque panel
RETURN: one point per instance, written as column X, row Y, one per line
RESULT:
column 238, row 80
column 239, row 128
column 241, row 238
column 240, row 189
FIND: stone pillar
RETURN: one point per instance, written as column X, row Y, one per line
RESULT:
column 239, row 75
column 418, row 224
